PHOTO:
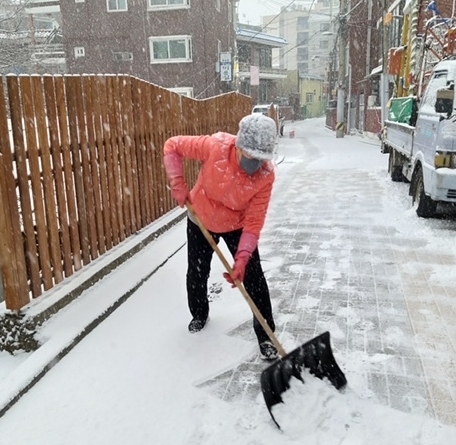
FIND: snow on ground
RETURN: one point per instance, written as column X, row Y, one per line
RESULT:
column 134, row 379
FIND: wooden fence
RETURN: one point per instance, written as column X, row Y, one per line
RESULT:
column 81, row 168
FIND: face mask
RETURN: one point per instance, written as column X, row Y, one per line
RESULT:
column 250, row 165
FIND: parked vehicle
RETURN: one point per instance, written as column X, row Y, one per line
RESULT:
column 273, row 111
column 261, row 109
column 421, row 141
column 420, row 131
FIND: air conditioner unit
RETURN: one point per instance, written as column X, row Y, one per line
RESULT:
column 122, row 57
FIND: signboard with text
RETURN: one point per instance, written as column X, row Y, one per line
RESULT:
column 225, row 67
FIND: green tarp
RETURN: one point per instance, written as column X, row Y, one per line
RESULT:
column 403, row 110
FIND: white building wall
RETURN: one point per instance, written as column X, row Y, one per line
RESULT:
column 320, row 42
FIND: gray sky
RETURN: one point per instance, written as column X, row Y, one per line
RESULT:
column 250, row 11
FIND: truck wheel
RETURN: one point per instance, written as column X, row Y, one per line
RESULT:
column 395, row 172
column 425, row 206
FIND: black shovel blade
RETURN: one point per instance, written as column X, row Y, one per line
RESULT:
column 315, row 355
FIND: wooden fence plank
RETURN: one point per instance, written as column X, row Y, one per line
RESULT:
column 72, row 85
column 115, row 169
column 161, row 187
column 62, row 115
column 109, row 161
column 24, row 191
column 13, row 270
column 124, row 207
column 166, row 132
column 147, row 129
column 89, row 85
column 40, row 222
column 100, row 91
column 131, row 153
column 152, row 152
column 136, row 96
column 64, row 234
column 86, row 171
column 47, row 179
column 127, row 130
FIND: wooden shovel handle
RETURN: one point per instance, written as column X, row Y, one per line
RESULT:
column 238, row 283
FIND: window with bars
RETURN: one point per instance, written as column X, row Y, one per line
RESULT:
column 265, row 58
column 244, row 52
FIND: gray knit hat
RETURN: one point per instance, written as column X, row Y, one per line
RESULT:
column 257, row 136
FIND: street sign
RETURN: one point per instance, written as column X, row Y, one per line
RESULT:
column 225, row 67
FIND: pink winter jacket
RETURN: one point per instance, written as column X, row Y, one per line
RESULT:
column 224, row 196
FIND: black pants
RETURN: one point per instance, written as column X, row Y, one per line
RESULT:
column 200, row 254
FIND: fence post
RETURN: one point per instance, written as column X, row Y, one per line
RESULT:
column 12, row 257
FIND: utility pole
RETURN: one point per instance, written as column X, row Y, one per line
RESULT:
column 343, row 33
column 384, row 87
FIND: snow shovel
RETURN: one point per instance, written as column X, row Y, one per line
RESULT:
column 315, row 355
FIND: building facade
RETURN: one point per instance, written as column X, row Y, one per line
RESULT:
column 255, row 74
column 310, row 30
column 173, row 43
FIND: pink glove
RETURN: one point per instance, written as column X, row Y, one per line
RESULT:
column 175, row 170
column 179, row 190
column 247, row 244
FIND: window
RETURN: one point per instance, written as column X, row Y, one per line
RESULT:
column 324, row 27
column 263, row 92
column 117, row 5
column 302, row 38
column 244, row 53
column 309, row 98
column 324, row 44
column 265, row 58
column 302, row 54
column 439, row 80
column 79, row 51
column 303, row 68
column 167, row 49
column 302, row 23
column 168, row 4
column 184, row 91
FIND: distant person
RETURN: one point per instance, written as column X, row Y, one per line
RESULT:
column 231, row 197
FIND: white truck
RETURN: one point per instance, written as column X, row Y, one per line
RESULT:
column 421, row 141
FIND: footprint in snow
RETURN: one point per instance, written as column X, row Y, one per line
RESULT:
column 214, row 291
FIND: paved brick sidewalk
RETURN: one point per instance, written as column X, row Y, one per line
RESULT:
column 343, row 266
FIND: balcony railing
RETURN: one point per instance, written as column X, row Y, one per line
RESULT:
column 265, row 72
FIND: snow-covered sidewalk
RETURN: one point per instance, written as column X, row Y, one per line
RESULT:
column 343, row 251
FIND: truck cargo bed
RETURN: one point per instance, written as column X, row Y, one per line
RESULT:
column 399, row 136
